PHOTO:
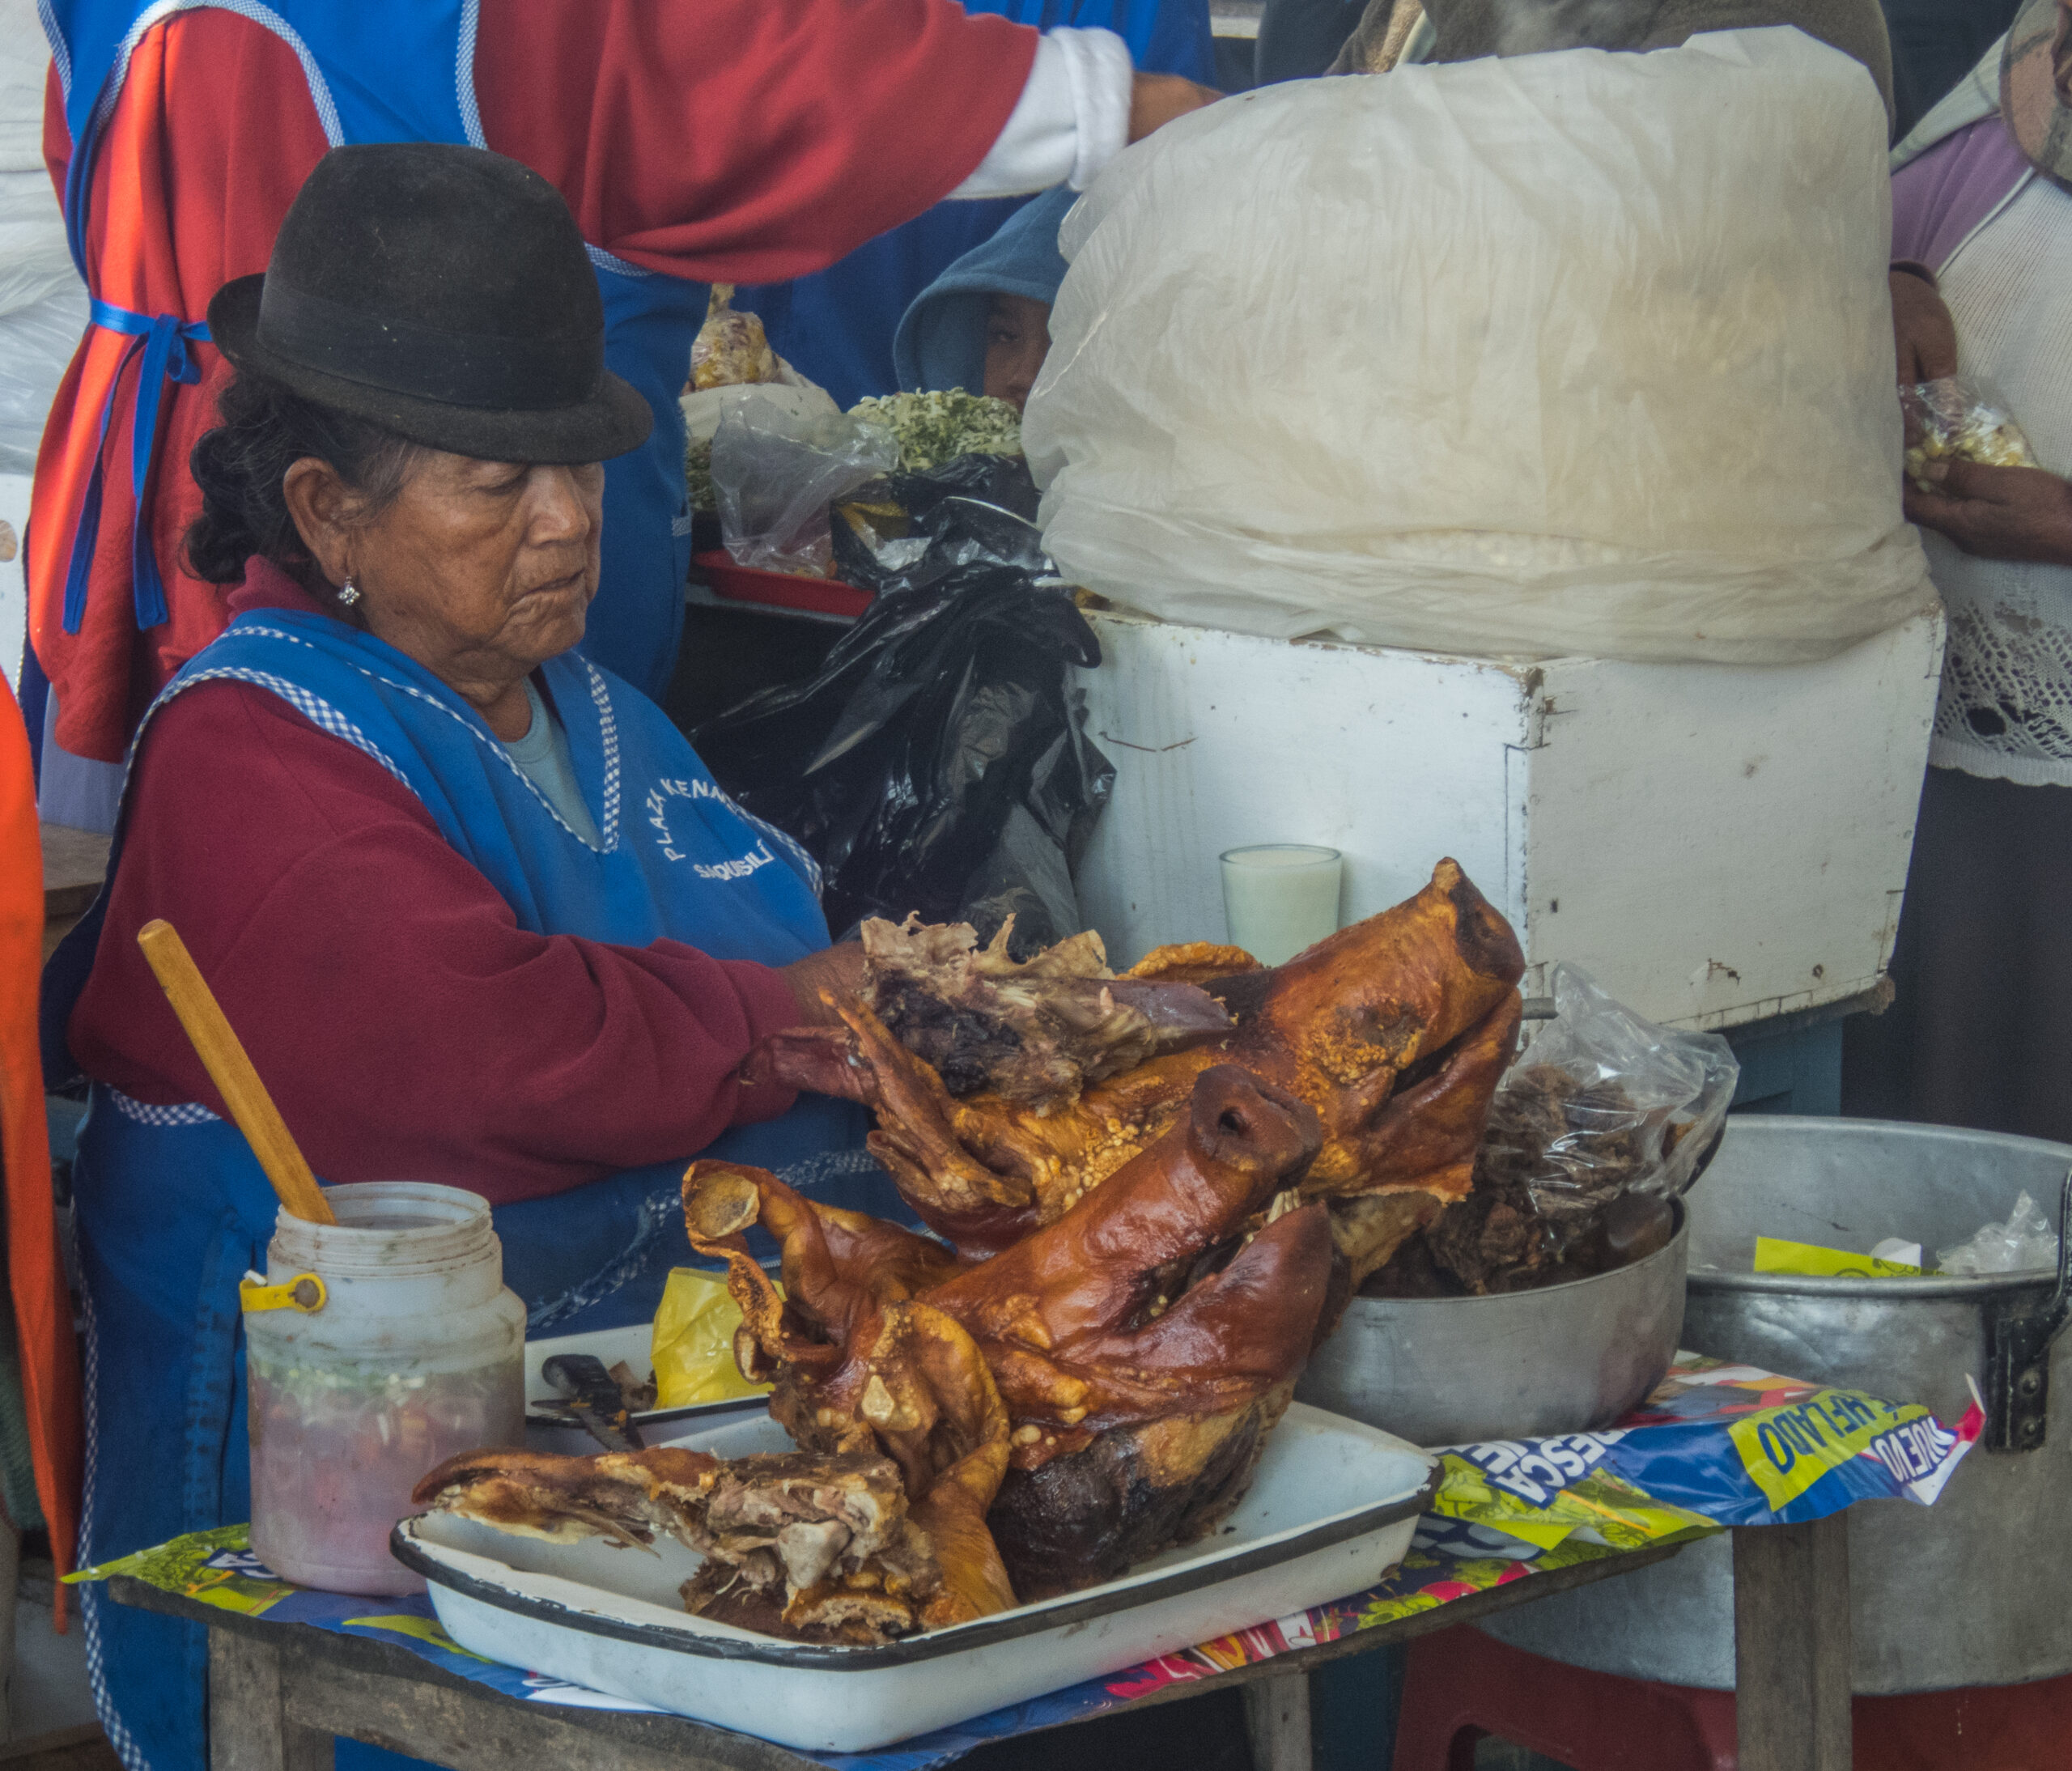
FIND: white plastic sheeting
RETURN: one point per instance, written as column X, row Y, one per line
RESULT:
column 1567, row 353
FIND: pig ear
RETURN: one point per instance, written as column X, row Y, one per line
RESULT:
column 719, row 1200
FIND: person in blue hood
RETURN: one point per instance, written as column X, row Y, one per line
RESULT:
column 983, row 324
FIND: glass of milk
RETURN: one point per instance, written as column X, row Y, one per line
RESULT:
column 1279, row 897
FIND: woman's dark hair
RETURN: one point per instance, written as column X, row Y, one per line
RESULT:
column 239, row 466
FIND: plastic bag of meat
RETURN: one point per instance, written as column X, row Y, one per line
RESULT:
column 1602, row 1120
column 730, row 349
column 938, row 763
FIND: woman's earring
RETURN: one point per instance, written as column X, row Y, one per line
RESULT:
column 349, row 593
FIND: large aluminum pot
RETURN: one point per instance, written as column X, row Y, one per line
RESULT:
column 1972, row 1592
column 1525, row 1364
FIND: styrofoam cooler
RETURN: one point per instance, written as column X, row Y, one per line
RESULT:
column 1718, row 844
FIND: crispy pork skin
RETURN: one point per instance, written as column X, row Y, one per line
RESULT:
column 1147, row 1339
column 1087, row 1516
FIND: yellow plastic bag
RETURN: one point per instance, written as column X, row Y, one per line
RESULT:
column 1773, row 1254
column 692, row 1347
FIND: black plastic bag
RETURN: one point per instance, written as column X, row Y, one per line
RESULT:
column 937, row 762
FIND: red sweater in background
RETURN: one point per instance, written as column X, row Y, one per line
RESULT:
column 739, row 141
column 406, row 1027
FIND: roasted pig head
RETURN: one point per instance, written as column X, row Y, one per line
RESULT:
column 1091, row 1514
column 1176, row 1287
column 1147, row 1342
column 816, row 1548
column 1395, row 1031
column 1143, row 1344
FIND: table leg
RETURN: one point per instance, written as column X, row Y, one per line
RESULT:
column 1277, row 1718
column 249, row 1725
column 1791, row 1646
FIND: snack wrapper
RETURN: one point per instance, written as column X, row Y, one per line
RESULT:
column 1774, row 1255
column 693, row 1347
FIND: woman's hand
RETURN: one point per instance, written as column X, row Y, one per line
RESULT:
column 1157, row 98
column 1997, row 512
column 834, row 971
column 1922, row 329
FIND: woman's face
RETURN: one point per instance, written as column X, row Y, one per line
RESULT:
column 1017, row 339
column 481, row 571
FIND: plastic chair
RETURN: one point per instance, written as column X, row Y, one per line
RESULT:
column 1463, row 1684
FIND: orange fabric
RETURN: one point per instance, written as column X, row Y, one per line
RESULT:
column 35, row 1275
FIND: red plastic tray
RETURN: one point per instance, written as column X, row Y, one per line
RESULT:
column 778, row 590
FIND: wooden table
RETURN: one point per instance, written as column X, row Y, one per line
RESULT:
column 278, row 1692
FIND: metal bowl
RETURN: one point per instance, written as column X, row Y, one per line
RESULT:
column 1524, row 1364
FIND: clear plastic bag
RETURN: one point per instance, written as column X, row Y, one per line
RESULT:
column 730, row 349
column 1600, row 1105
column 43, row 304
column 2027, row 1242
column 775, row 472
column 37, row 343
column 1959, row 419
column 703, row 411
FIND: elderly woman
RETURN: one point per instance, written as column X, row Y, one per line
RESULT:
column 479, row 913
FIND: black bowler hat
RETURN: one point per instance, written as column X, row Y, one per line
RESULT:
column 444, row 293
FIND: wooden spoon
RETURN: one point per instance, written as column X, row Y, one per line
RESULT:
column 223, row 1057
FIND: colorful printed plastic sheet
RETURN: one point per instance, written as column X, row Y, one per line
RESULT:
column 1715, row 1446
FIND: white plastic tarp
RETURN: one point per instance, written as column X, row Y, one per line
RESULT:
column 1576, row 353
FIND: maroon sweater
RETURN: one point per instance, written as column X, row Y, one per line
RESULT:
column 406, row 1027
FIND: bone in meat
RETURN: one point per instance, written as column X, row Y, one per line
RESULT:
column 816, row 1547
column 1035, row 1031
column 859, row 1364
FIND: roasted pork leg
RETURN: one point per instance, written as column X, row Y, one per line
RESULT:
column 860, row 1364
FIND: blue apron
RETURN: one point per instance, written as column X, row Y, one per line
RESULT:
column 837, row 325
column 395, row 70
column 172, row 1207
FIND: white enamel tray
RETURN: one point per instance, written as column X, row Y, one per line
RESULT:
column 1331, row 1510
